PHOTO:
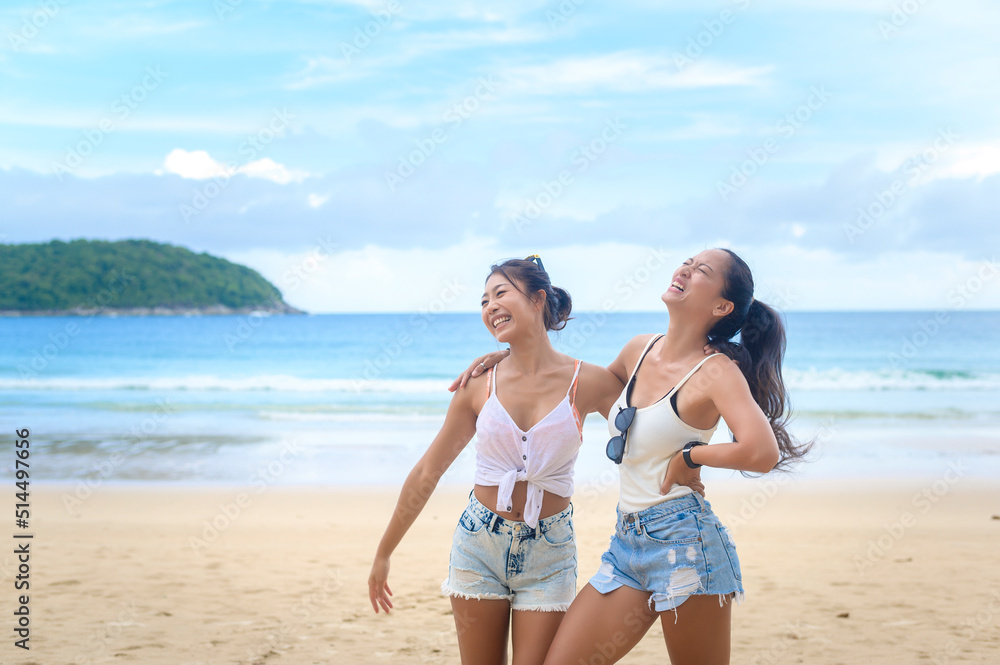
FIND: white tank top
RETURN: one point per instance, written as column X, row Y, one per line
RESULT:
column 656, row 435
column 543, row 456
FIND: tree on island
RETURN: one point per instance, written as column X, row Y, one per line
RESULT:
column 88, row 275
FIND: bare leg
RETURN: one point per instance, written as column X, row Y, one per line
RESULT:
column 532, row 634
column 701, row 633
column 482, row 630
column 606, row 624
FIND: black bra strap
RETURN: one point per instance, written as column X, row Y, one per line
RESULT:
column 631, row 381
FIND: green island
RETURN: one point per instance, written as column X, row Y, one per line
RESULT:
column 128, row 277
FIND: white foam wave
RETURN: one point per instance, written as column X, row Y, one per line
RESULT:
column 876, row 380
column 806, row 380
column 279, row 383
column 382, row 418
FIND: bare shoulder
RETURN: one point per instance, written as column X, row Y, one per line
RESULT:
column 473, row 394
column 724, row 362
column 721, row 370
column 624, row 363
column 639, row 341
column 633, row 348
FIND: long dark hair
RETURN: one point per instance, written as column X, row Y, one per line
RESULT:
column 520, row 272
column 759, row 354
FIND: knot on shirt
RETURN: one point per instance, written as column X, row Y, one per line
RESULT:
column 533, row 502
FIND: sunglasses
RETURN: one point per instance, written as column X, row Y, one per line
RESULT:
column 616, row 446
column 537, row 259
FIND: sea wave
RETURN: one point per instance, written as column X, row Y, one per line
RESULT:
column 835, row 379
column 208, row 382
column 362, row 416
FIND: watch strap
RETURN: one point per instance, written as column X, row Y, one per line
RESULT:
column 687, row 453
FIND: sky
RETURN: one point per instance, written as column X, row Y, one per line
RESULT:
column 380, row 156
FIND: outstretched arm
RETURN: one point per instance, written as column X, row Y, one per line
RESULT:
column 618, row 366
column 458, row 429
column 597, row 390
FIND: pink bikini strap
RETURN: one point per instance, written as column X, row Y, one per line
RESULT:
column 572, row 388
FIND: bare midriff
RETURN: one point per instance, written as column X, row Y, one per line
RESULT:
column 551, row 503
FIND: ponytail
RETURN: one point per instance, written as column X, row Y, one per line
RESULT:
column 558, row 306
column 759, row 355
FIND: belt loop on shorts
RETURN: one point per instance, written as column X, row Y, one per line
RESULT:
column 700, row 499
column 630, row 520
column 493, row 521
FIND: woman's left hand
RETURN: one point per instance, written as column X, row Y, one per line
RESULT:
column 679, row 473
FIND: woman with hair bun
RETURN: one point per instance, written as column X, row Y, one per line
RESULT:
column 670, row 557
column 513, row 558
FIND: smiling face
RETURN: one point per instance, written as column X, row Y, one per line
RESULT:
column 698, row 283
column 505, row 308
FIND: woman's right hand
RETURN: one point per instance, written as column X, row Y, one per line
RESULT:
column 478, row 366
column 378, row 585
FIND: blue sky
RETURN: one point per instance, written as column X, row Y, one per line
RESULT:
column 370, row 156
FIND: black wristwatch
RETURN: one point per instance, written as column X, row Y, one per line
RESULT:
column 687, row 453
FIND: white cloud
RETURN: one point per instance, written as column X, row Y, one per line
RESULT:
column 268, row 169
column 628, row 277
column 976, row 161
column 199, row 165
column 195, row 165
column 894, row 280
column 629, row 71
column 138, row 25
column 466, row 10
column 935, row 158
column 377, row 279
column 357, row 62
column 316, row 200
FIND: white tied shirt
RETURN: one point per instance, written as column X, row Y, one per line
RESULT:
column 543, row 455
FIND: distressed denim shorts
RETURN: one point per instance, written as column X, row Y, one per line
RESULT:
column 496, row 558
column 673, row 550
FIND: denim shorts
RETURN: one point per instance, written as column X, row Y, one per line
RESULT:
column 497, row 558
column 673, row 550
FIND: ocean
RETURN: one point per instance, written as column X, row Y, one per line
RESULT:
column 355, row 399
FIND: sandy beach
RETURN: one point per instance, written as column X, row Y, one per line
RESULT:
column 900, row 572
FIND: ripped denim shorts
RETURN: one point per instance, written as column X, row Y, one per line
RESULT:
column 675, row 549
column 493, row 558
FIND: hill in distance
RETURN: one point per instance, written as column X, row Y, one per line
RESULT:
column 128, row 277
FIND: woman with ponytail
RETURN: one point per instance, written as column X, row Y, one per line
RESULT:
column 670, row 557
column 512, row 568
